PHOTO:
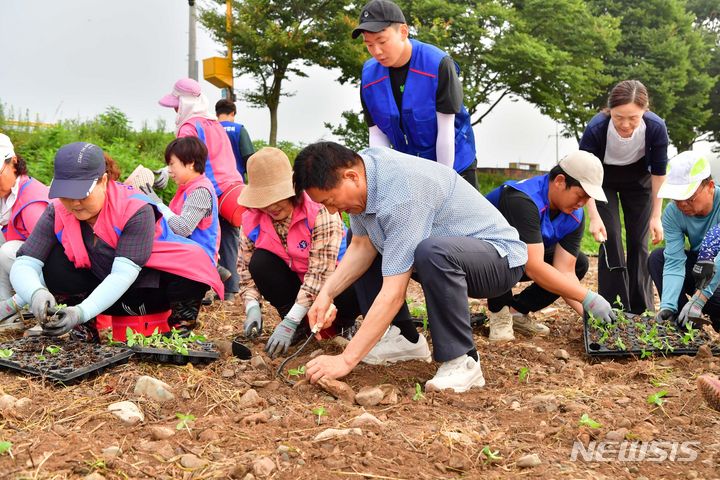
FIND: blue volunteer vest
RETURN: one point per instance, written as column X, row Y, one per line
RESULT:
column 537, row 189
column 418, row 134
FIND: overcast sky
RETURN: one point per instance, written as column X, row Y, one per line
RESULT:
column 74, row 58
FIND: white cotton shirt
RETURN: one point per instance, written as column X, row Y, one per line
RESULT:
column 624, row 151
column 6, row 204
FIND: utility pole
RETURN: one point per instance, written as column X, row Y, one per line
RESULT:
column 192, row 43
column 228, row 27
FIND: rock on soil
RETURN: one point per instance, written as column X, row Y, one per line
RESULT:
column 258, row 363
column 562, row 354
column 161, row 433
column 250, row 399
column 190, row 460
column 366, row 420
column 528, row 461
column 331, row 433
column 390, row 396
column 7, row 401
column 127, row 412
column 111, row 452
column 254, row 419
column 263, row 467
column 338, row 389
column 616, row 435
column 369, row 396
column 154, row 389
column 94, row 476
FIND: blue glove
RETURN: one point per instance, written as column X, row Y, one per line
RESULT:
column 598, row 307
column 40, row 302
column 280, row 339
column 162, row 176
column 253, row 322
column 63, row 321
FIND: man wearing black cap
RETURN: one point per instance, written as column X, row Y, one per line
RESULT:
column 411, row 93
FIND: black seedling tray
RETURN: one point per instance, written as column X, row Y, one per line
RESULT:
column 631, row 336
column 476, row 320
column 204, row 352
column 74, row 362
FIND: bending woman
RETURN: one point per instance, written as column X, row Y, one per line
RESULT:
column 289, row 245
column 632, row 143
column 104, row 249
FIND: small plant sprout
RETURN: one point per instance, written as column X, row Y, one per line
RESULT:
column 418, row 393
column 620, row 344
column 6, row 353
column 6, row 447
column 523, row 375
column 657, row 398
column 53, row 349
column 491, row 456
column 320, row 412
column 297, row 372
column 618, row 303
column 185, row 419
column 586, row 421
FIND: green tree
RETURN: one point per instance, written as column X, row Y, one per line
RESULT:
column 273, row 40
column 661, row 48
column 707, row 14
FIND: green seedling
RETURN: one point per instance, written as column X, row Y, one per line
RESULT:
column 657, row 398
column 620, row 344
column 490, row 456
column 185, row 419
column 618, row 303
column 6, row 353
column 53, row 349
column 320, row 412
column 644, row 354
column 420, row 311
column 174, row 342
column 689, row 335
column 6, row 447
column 41, row 357
column 523, row 375
column 586, row 421
column 418, row 393
column 297, row 372
column 98, row 464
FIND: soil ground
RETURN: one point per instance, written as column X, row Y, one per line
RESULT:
column 63, row 430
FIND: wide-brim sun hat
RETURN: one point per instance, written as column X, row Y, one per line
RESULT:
column 184, row 86
column 269, row 179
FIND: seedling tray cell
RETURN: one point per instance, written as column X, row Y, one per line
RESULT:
column 74, row 361
column 201, row 352
column 637, row 339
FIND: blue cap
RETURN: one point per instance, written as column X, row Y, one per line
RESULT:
column 77, row 168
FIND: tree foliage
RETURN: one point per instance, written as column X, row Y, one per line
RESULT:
column 273, row 40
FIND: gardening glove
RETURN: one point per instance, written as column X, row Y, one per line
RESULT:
column 63, row 321
column 703, row 271
column 40, row 302
column 147, row 189
column 665, row 315
column 253, row 322
column 692, row 311
column 162, row 176
column 598, row 307
column 280, row 339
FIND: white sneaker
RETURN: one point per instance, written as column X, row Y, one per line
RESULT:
column 527, row 325
column 393, row 347
column 501, row 326
column 459, row 375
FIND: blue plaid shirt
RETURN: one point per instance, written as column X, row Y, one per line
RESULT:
column 410, row 199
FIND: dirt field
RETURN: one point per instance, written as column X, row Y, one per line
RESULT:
column 68, row 432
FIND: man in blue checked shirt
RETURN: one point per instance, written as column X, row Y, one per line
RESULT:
column 416, row 219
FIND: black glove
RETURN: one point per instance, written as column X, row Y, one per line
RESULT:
column 162, row 175
column 703, row 272
column 147, row 189
column 665, row 315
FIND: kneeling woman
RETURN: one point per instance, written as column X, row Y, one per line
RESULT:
column 104, row 249
column 288, row 247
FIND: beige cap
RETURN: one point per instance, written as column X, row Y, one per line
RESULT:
column 269, row 179
column 587, row 169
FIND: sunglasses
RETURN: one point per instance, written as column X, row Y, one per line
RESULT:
column 607, row 264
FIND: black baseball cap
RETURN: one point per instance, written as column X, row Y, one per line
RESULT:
column 77, row 168
column 377, row 15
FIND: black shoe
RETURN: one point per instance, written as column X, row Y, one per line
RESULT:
column 85, row 332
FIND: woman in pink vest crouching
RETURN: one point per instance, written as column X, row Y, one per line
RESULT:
column 102, row 248
column 22, row 201
column 195, row 120
column 289, row 245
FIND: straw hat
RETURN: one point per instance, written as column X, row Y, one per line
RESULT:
column 140, row 177
column 269, row 179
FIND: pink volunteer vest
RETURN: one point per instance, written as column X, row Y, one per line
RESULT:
column 183, row 191
column 258, row 227
column 31, row 202
column 170, row 253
